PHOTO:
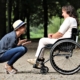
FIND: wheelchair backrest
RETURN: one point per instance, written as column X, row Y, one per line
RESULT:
column 74, row 34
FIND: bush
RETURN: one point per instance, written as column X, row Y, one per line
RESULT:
column 54, row 24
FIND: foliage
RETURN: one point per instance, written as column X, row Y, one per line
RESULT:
column 35, row 13
column 54, row 24
column 36, row 32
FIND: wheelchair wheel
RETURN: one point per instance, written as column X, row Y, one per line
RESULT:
column 44, row 70
column 65, row 57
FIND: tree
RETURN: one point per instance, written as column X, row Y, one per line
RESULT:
column 36, row 12
column 2, row 18
column 45, row 17
column 9, row 10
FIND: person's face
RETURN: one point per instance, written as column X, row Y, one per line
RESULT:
column 22, row 29
column 64, row 14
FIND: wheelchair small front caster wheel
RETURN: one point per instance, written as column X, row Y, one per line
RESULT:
column 44, row 70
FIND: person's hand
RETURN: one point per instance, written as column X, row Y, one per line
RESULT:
column 25, row 43
column 21, row 41
column 50, row 35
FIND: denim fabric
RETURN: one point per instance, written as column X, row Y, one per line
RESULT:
column 13, row 55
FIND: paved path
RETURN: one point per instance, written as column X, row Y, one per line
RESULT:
column 26, row 72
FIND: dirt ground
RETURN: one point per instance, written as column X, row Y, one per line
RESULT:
column 27, row 72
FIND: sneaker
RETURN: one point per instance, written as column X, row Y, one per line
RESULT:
column 31, row 61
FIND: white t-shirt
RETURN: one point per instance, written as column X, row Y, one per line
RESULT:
column 67, row 26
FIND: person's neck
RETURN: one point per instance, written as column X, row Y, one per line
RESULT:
column 67, row 16
column 18, row 34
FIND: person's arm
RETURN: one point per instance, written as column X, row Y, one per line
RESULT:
column 63, row 28
column 50, row 35
column 57, row 35
column 23, row 42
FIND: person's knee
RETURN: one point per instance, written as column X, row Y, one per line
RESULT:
column 41, row 40
column 23, row 49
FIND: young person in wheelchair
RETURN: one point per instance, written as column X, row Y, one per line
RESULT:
column 70, row 21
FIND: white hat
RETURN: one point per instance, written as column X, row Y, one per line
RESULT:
column 17, row 24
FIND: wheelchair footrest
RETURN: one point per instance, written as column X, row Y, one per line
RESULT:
column 37, row 67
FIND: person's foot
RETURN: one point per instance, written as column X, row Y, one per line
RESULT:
column 31, row 61
column 35, row 62
column 14, row 68
column 10, row 70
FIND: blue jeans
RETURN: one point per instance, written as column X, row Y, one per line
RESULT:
column 13, row 55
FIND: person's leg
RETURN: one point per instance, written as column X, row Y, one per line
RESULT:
column 12, row 56
column 42, row 43
column 20, row 52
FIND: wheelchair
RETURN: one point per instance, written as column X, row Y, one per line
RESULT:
column 64, row 55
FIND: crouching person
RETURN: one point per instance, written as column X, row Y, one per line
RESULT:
column 12, row 48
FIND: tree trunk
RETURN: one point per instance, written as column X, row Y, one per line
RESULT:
column 28, row 24
column 2, row 18
column 9, row 8
column 16, row 11
column 45, row 17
